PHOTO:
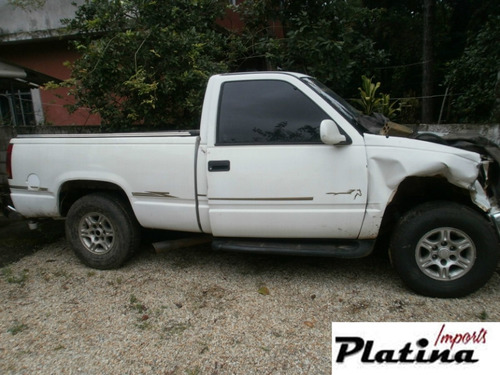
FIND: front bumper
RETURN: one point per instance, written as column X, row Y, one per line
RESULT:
column 495, row 218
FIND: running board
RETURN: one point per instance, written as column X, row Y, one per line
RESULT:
column 348, row 249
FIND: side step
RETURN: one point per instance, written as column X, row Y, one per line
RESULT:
column 347, row 249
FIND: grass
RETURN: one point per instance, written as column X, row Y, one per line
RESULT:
column 175, row 329
column 483, row 315
column 140, row 308
column 15, row 278
column 136, row 305
column 143, row 325
column 62, row 273
column 116, row 282
column 17, row 327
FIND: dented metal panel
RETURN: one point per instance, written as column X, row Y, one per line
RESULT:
column 392, row 159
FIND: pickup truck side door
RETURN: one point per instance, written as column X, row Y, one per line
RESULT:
column 269, row 175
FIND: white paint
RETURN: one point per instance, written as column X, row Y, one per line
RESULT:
column 293, row 190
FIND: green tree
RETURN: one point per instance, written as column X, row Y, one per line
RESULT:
column 146, row 62
column 474, row 75
column 400, row 32
column 327, row 39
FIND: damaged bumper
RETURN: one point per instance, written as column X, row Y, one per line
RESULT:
column 495, row 218
column 487, row 204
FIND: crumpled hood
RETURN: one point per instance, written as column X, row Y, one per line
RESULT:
column 392, row 159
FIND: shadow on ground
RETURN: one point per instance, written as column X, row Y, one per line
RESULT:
column 17, row 240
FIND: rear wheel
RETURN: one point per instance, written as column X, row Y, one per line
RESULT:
column 102, row 230
column 442, row 249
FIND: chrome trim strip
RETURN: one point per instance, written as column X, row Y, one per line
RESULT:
column 153, row 194
column 263, row 199
column 18, row 187
column 27, row 188
column 174, row 133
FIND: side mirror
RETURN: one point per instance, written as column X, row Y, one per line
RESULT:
column 330, row 133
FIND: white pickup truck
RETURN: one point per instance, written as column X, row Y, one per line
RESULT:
column 280, row 164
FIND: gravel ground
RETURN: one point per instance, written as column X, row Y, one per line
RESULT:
column 195, row 311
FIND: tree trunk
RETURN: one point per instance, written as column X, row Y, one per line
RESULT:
column 427, row 66
column 496, row 111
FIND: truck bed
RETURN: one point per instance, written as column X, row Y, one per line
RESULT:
column 154, row 170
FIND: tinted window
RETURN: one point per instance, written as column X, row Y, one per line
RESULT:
column 267, row 112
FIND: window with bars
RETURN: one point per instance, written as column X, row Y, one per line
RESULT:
column 17, row 108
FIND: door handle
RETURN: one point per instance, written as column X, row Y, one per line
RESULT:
column 219, row 166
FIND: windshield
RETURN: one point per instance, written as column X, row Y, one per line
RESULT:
column 350, row 113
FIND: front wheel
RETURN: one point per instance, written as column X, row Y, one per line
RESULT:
column 102, row 230
column 443, row 249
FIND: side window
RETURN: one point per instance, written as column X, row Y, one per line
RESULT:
column 267, row 112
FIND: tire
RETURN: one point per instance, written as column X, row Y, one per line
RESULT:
column 102, row 230
column 445, row 250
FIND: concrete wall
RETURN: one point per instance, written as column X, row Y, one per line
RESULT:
column 41, row 21
column 490, row 131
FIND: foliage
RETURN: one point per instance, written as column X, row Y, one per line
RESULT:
column 389, row 108
column 326, row 39
column 146, row 62
column 399, row 32
column 369, row 102
column 473, row 76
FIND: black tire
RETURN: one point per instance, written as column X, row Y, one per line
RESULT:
column 443, row 249
column 102, row 230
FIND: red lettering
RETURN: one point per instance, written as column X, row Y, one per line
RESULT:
column 460, row 338
column 439, row 335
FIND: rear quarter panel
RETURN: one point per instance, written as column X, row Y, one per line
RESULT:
column 156, row 174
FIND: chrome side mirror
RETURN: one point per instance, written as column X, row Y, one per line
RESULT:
column 330, row 133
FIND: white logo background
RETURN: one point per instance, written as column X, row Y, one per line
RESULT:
column 464, row 341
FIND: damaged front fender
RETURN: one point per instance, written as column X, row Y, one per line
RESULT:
column 479, row 197
column 392, row 160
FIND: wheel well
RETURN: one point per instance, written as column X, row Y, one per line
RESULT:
column 71, row 191
column 414, row 191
